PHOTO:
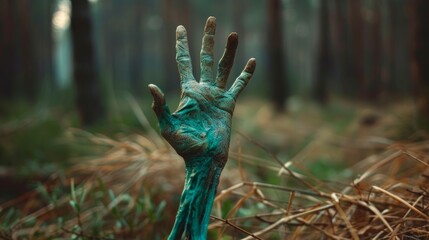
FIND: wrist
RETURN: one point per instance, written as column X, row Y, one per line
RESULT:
column 202, row 178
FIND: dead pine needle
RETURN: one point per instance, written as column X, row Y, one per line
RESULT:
column 336, row 202
column 399, row 199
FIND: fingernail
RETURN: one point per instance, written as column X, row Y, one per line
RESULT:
column 233, row 39
column 210, row 27
column 251, row 65
column 180, row 32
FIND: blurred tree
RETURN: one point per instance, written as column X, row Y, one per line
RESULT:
column 388, row 72
column 276, row 59
column 339, row 44
column 45, row 41
column 136, row 53
column 171, row 75
column 88, row 92
column 323, row 57
column 421, row 57
column 29, row 77
column 107, row 40
column 356, row 78
column 374, row 86
column 176, row 13
column 25, row 54
column 18, row 66
column 8, row 47
column 238, row 10
column 184, row 17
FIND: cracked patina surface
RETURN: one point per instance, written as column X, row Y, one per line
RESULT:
column 199, row 130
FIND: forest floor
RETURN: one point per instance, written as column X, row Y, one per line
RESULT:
column 346, row 171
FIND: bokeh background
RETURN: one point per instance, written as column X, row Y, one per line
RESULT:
column 359, row 49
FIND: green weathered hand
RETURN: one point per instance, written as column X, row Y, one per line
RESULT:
column 201, row 124
column 199, row 130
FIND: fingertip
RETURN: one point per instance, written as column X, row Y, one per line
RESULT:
column 211, row 19
column 157, row 94
column 250, row 66
column 153, row 88
column 150, row 87
column 210, row 27
column 180, row 32
column 233, row 40
column 158, row 104
column 233, row 35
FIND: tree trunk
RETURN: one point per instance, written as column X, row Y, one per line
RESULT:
column 47, row 54
column 421, row 58
column 239, row 9
column 388, row 73
column 374, row 86
column 338, row 45
column 276, row 59
column 323, row 59
column 88, row 92
column 171, row 74
column 136, row 53
column 8, row 47
column 356, row 55
column 28, row 82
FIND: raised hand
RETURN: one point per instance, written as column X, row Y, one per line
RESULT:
column 201, row 124
column 199, row 130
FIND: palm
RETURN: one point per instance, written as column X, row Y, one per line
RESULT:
column 204, row 120
column 201, row 124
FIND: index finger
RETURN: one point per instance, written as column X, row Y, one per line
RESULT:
column 183, row 57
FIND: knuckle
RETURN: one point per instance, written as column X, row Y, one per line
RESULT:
column 206, row 58
column 183, row 58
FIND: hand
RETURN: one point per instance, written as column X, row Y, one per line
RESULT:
column 201, row 125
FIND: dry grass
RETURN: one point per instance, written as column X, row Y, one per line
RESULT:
column 124, row 172
column 383, row 197
column 386, row 200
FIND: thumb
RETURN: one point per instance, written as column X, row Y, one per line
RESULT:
column 159, row 107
